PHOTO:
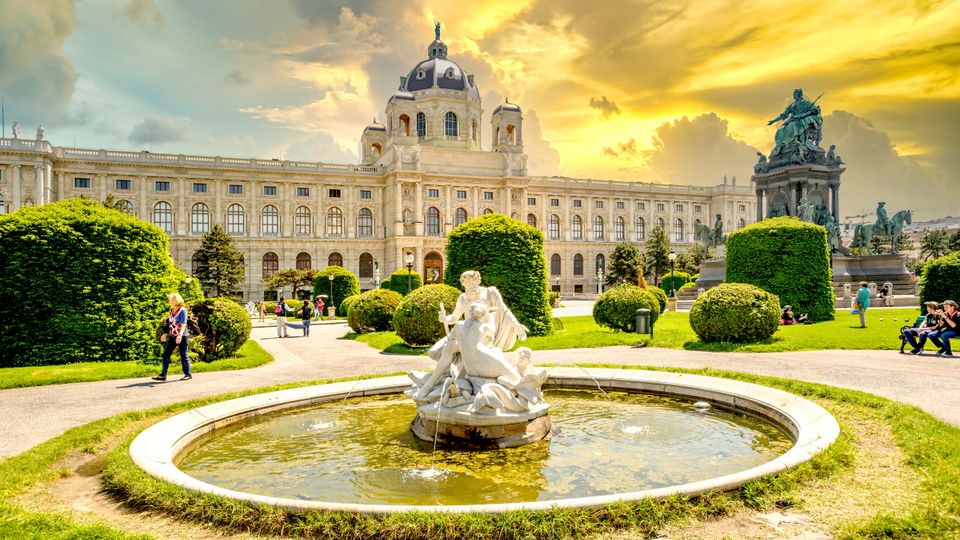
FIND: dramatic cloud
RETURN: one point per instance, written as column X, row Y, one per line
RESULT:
column 606, row 106
column 626, row 150
column 139, row 11
column 236, row 77
column 321, row 147
column 542, row 159
column 159, row 129
column 699, row 151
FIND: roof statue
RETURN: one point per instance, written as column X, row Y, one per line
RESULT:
column 436, row 29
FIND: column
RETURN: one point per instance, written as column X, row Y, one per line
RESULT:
column 418, row 211
column 38, row 172
column 448, row 208
column 218, row 215
column 792, row 189
column 565, row 224
column 476, row 203
column 60, row 186
column 608, row 226
column 398, row 208
column 180, row 223
column 144, row 214
column 102, row 186
column 760, row 212
column 835, row 202
column 252, row 214
column 17, row 202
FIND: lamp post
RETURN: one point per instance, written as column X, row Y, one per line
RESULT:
column 330, row 279
column 673, row 263
column 556, row 278
column 409, row 260
column 599, row 279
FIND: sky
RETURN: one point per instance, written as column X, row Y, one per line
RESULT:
column 676, row 92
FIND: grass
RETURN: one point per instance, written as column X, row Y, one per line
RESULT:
column 672, row 331
column 249, row 355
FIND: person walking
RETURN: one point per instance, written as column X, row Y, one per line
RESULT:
column 950, row 328
column 282, row 311
column 174, row 336
column 862, row 302
column 319, row 308
column 306, row 313
column 262, row 310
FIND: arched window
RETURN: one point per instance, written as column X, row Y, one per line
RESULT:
column 554, row 227
column 270, row 221
column 661, row 224
column 473, row 130
column 236, row 221
column 365, row 222
column 376, row 150
column 450, row 126
column 194, row 263
column 404, row 125
column 459, row 217
column 302, row 222
column 741, row 223
column 578, row 265
column 3, row 205
column 532, row 220
column 601, row 261
column 511, row 134
column 641, row 229
column 304, row 262
column 696, row 230
column 334, row 222
column 619, row 228
column 421, row 125
column 433, row 268
column 124, row 206
column 199, row 218
column 555, row 265
column 487, row 211
column 335, row 259
column 678, row 230
column 163, row 216
column 577, row 228
column 366, row 265
column 271, row 263
column 598, row 233
column 433, row 221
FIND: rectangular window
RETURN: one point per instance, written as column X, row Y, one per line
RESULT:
column 578, row 288
column 661, row 207
column 461, row 194
column 433, row 193
column 619, row 205
column 333, row 193
column 743, row 208
column 123, row 184
column 598, row 204
column 532, row 201
column 199, row 188
column 697, row 209
column 577, row 203
column 161, row 186
column 236, row 189
column 303, row 192
column 641, row 206
column 366, row 194
column 488, row 195
column 82, row 183
column 554, row 202
column 269, row 190
column 679, row 208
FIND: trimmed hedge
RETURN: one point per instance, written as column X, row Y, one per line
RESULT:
column 660, row 295
column 416, row 320
column 788, row 258
column 218, row 327
column 398, row 281
column 941, row 280
column 345, row 283
column 344, row 309
column 677, row 280
column 509, row 255
column 93, row 281
column 373, row 311
column 617, row 308
column 735, row 313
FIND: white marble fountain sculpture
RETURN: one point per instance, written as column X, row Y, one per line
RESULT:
column 479, row 396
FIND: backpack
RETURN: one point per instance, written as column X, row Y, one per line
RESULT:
column 277, row 309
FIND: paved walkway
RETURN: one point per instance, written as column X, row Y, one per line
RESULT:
column 29, row 416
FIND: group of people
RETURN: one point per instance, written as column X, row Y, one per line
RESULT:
column 941, row 324
column 306, row 312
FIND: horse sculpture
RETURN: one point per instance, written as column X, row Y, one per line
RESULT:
column 707, row 236
column 863, row 234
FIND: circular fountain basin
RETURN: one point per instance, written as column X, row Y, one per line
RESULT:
column 643, row 429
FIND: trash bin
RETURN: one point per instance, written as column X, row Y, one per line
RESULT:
column 644, row 326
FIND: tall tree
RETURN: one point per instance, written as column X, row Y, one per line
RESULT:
column 903, row 242
column 657, row 253
column 933, row 245
column 219, row 264
column 293, row 277
column 626, row 266
column 953, row 244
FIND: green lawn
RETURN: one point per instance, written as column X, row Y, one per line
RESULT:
column 250, row 355
column 673, row 331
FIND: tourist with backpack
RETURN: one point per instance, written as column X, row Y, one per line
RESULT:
column 281, row 311
column 306, row 312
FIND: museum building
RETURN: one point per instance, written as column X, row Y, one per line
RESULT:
column 422, row 174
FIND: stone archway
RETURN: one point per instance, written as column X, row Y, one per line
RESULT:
column 432, row 268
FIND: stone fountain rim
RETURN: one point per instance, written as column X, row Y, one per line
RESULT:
column 812, row 428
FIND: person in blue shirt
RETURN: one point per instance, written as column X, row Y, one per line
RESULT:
column 175, row 337
column 862, row 303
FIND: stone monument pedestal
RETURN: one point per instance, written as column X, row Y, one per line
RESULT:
column 481, row 431
column 780, row 190
column 880, row 269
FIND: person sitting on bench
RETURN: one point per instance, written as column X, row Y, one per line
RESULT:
column 917, row 337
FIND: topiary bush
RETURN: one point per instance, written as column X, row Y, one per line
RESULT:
column 218, row 327
column 941, row 279
column 735, row 312
column 345, row 283
column 617, row 308
column 674, row 282
column 344, row 309
column 788, row 258
column 509, row 255
column 416, row 320
column 660, row 295
column 373, row 311
column 398, row 281
column 93, row 281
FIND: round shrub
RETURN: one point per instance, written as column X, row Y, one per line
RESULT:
column 92, row 280
column 416, row 319
column 735, row 312
column 345, row 283
column 660, row 295
column 673, row 282
column 218, row 327
column 617, row 308
column 348, row 302
column 941, row 279
column 373, row 311
column 788, row 258
column 509, row 255
column 398, row 281
column 268, row 307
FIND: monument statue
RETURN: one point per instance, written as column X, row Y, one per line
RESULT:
column 821, row 215
column 711, row 237
column 832, row 157
column 40, row 132
column 883, row 222
column 864, row 233
column 833, row 234
column 778, row 210
column 805, row 211
column 718, row 227
column 801, row 125
column 16, row 130
column 761, row 166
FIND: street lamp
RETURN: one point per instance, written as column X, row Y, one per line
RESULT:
column 409, row 260
column 556, row 278
column 330, row 278
column 673, row 264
